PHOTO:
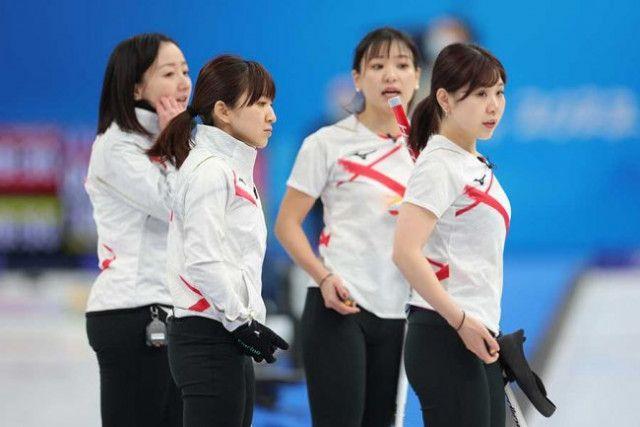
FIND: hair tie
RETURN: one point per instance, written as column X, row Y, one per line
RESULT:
column 192, row 111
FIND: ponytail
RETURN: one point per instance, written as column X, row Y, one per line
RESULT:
column 174, row 142
column 424, row 123
column 225, row 78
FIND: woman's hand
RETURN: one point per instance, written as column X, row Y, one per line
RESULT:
column 336, row 296
column 167, row 108
column 478, row 340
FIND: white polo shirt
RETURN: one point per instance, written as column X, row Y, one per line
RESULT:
column 130, row 195
column 217, row 234
column 466, row 247
column 360, row 178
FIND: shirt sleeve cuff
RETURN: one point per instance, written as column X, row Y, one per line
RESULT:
column 302, row 188
column 424, row 205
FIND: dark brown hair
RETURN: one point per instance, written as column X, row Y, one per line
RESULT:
column 127, row 64
column 226, row 78
column 377, row 42
column 457, row 66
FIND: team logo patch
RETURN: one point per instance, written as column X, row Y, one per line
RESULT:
column 480, row 180
column 363, row 154
column 368, row 171
column 241, row 192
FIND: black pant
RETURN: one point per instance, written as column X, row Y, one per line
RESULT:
column 215, row 378
column 136, row 388
column 352, row 364
column 455, row 388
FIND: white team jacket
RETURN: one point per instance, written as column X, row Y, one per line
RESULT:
column 217, row 234
column 130, row 195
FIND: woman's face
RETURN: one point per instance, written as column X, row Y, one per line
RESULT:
column 168, row 76
column 383, row 77
column 253, row 124
column 479, row 114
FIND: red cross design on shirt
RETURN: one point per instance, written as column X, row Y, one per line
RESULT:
column 324, row 239
column 241, row 192
column 107, row 262
column 357, row 169
column 202, row 304
column 484, row 197
column 443, row 269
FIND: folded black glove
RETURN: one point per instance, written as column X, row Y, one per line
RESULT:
column 258, row 341
column 516, row 368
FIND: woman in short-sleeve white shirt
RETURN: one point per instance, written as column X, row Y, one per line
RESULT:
column 449, row 244
column 353, row 322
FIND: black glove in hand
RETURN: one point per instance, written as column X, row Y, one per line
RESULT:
column 258, row 341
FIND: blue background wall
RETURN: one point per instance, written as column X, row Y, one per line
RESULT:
column 567, row 151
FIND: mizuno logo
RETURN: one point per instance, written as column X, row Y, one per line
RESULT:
column 363, row 154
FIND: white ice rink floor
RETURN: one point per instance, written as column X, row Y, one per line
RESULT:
column 48, row 372
column 593, row 370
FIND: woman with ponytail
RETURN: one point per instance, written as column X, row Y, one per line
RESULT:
column 217, row 240
column 449, row 244
column 353, row 322
column 146, row 83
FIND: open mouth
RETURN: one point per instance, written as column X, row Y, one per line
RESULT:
column 490, row 124
column 391, row 92
column 182, row 100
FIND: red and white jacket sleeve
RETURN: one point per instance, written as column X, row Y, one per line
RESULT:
column 207, row 260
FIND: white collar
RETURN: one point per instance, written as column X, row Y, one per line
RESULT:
column 148, row 120
column 219, row 142
column 441, row 141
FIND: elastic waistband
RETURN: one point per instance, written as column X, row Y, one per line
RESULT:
column 366, row 316
column 425, row 316
column 125, row 311
column 199, row 325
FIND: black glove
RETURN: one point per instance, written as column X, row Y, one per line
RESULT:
column 258, row 341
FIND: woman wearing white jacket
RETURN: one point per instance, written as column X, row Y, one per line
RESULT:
column 146, row 83
column 217, row 240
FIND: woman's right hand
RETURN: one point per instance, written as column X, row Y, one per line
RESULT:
column 478, row 340
column 167, row 108
column 336, row 296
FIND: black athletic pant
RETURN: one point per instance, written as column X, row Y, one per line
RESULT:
column 352, row 364
column 136, row 388
column 455, row 388
column 215, row 379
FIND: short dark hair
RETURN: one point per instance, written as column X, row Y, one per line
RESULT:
column 127, row 64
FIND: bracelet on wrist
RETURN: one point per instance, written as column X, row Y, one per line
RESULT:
column 464, row 316
column 324, row 279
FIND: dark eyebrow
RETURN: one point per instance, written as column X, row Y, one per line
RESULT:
column 402, row 56
column 172, row 64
